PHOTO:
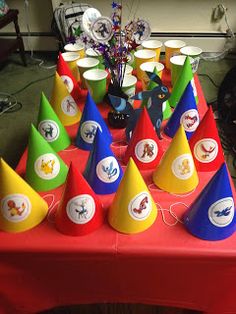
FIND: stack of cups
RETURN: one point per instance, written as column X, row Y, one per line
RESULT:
column 77, row 48
column 84, row 65
column 71, row 59
column 129, row 86
column 141, row 56
column 172, row 48
column 177, row 63
column 193, row 52
column 96, row 82
column 91, row 53
column 155, row 45
column 149, row 67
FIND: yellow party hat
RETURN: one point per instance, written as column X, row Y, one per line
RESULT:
column 21, row 208
column 63, row 103
column 176, row 173
column 133, row 209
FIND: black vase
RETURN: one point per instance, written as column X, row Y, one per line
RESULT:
column 117, row 120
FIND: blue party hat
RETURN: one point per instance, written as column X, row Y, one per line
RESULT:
column 103, row 171
column 185, row 113
column 212, row 214
column 91, row 121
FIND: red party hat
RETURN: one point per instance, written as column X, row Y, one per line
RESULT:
column 80, row 211
column 206, row 146
column 66, row 75
column 144, row 146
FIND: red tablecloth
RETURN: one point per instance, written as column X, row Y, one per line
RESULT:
column 164, row 265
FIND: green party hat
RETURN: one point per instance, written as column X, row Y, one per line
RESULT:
column 45, row 170
column 50, row 126
column 165, row 106
column 185, row 76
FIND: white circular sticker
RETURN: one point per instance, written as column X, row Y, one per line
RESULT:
column 102, row 29
column 140, row 206
column 183, row 166
column 142, row 31
column 81, row 209
column 15, row 207
column 47, row 166
column 108, row 169
column 49, row 130
column 221, row 213
column 88, row 130
column 146, row 150
column 190, row 120
column 206, row 150
column 69, row 106
column 68, row 82
column 194, row 87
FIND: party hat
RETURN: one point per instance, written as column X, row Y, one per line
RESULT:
column 80, row 211
column 90, row 121
column 176, row 172
column 103, row 171
column 165, row 106
column 50, row 126
column 212, row 214
column 45, row 170
column 144, row 146
column 21, row 208
column 206, row 146
column 133, row 209
column 67, row 77
column 185, row 113
column 185, row 76
column 63, row 103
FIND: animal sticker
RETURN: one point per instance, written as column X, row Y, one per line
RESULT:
column 49, row 130
column 69, row 106
column 47, row 166
column 140, row 206
column 183, row 166
column 146, row 150
column 108, row 170
column 81, row 209
column 88, row 130
column 102, row 29
column 141, row 31
column 68, row 82
column 15, row 207
column 190, row 120
column 221, row 213
column 206, row 150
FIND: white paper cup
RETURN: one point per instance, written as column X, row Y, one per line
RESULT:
column 86, row 64
column 149, row 67
column 91, row 53
column 77, row 48
column 71, row 58
column 172, row 47
column 141, row 56
column 129, row 85
column 193, row 52
column 177, row 63
column 95, row 81
column 155, row 45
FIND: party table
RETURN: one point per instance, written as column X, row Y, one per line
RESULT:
column 165, row 265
